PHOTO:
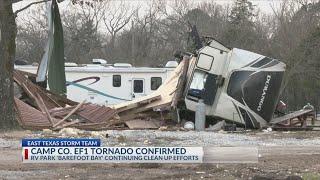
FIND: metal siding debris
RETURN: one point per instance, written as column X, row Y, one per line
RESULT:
column 30, row 117
column 69, row 114
column 51, row 100
column 56, row 112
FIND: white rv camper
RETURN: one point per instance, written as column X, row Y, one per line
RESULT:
column 110, row 84
column 235, row 84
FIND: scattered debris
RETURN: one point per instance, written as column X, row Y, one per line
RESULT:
column 292, row 115
column 156, row 103
column 96, row 134
column 47, row 131
column 142, row 124
column 189, row 125
column 163, row 128
column 217, row 127
column 39, row 108
column 296, row 120
column 146, row 141
column 230, row 127
column 69, row 132
column 267, row 130
column 121, row 139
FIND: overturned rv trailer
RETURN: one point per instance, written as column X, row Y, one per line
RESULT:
column 235, row 84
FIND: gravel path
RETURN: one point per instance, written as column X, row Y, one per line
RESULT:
column 179, row 138
column 192, row 138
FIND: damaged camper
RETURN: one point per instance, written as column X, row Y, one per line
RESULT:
column 109, row 84
column 235, row 84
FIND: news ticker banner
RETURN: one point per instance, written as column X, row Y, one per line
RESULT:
column 91, row 151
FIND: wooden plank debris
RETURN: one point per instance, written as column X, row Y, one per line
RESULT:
column 290, row 116
column 51, row 100
column 48, row 110
column 67, row 124
column 45, row 109
column 161, row 99
column 70, row 113
column 181, row 82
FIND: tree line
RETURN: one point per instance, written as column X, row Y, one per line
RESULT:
column 119, row 32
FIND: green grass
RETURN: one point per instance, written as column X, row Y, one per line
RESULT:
column 311, row 176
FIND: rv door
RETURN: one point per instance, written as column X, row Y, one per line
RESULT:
column 138, row 87
column 203, row 86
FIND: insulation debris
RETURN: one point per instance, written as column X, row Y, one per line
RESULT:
column 142, row 124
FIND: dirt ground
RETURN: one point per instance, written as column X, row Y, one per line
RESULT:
column 284, row 155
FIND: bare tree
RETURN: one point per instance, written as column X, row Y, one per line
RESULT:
column 7, row 55
column 32, row 35
column 116, row 17
column 81, row 29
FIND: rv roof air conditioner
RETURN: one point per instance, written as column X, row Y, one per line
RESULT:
column 171, row 64
column 70, row 64
column 122, row 65
column 99, row 61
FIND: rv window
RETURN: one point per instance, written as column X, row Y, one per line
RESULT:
column 155, row 82
column 138, row 86
column 205, row 61
column 116, row 80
